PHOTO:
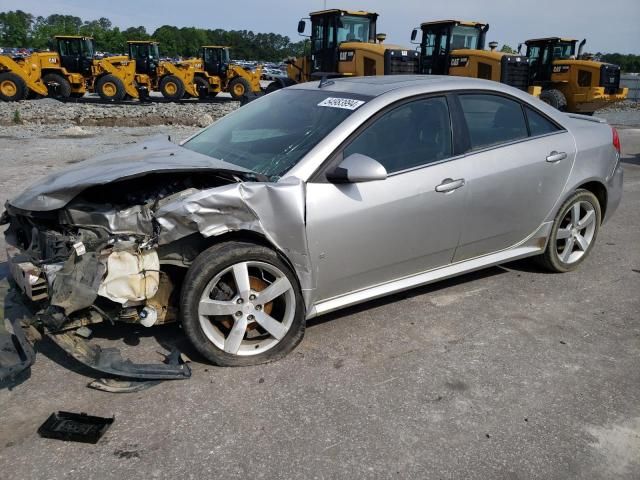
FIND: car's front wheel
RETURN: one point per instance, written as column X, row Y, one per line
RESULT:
column 573, row 233
column 241, row 305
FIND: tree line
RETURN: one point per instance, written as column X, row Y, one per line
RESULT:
column 22, row 29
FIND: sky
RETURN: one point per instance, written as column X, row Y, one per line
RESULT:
column 608, row 26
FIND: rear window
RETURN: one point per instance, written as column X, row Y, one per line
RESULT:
column 538, row 124
column 492, row 120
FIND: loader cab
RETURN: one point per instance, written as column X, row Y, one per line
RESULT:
column 330, row 29
column 216, row 60
column 542, row 52
column 146, row 55
column 440, row 38
column 76, row 53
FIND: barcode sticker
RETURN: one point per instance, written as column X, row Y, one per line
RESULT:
column 346, row 103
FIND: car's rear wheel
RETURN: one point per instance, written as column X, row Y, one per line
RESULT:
column 241, row 305
column 573, row 233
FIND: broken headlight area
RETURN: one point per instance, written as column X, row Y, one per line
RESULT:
column 98, row 259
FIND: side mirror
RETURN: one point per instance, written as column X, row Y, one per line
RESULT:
column 519, row 48
column 414, row 34
column 302, row 25
column 357, row 168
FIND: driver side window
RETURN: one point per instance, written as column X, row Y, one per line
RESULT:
column 411, row 135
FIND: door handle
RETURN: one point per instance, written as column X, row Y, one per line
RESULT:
column 449, row 185
column 556, row 156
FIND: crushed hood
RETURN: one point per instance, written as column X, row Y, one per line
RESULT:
column 157, row 154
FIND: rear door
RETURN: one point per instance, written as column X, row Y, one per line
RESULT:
column 518, row 163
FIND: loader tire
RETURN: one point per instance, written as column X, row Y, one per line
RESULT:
column 110, row 87
column 555, row 98
column 58, row 86
column 12, row 87
column 239, row 87
column 172, row 87
column 202, row 85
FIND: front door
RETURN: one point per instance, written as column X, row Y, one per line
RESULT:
column 365, row 234
column 324, row 49
column 435, row 50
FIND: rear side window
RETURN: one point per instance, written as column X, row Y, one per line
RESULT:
column 539, row 125
column 411, row 135
column 492, row 120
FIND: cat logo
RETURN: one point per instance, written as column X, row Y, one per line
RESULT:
column 459, row 62
column 560, row 68
column 53, row 60
column 346, row 55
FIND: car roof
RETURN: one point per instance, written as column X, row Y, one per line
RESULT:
column 375, row 86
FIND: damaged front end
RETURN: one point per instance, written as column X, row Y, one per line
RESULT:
column 117, row 249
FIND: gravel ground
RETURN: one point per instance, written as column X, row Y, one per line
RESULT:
column 48, row 111
column 508, row 373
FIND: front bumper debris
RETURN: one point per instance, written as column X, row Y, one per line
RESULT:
column 16, row 353
column 110, row 361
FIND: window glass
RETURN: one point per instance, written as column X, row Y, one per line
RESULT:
column 273, row 133
column 414, row 134
column 492, row 119
column 465, row 37
column 353, row 29
column 539, row 125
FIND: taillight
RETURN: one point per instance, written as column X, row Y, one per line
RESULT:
column 616, row 141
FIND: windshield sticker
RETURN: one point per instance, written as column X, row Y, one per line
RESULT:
column 346, row 103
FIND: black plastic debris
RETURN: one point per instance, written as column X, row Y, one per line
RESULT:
column 16, row 353
column 116, row 385
column 75, row 427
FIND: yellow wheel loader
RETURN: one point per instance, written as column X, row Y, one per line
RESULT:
column 173, row 80
column 216, row 73
column 68, row 71
column 456, row 47
column 345, row 43
column 568, row 81
column 208, row 75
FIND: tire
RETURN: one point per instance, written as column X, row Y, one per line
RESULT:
column 202, row 84
column 239, row 87
column 563, row 234
column 12, row 87
column 212, row 277
column 172, row 87
column 272, row 87
column 555, row 98
column 58, row 86
column 110, row 87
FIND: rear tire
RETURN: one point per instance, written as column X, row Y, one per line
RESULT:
column 172, row 87
column 202, row 85
column 213, row 278
column 272, row 87
column 58, row 86
column 239, row 87
column 555, row 98
column 110, row 87
column 12, row 87
column 573, row 233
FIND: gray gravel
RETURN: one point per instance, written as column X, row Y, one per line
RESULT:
column 49, row 111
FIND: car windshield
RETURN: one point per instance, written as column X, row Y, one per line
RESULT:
column 271, row 135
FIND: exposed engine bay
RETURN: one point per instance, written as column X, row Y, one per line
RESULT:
column 112, row 244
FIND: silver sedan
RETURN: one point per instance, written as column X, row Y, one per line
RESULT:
column 311, row 199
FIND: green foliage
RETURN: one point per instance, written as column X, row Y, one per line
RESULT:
column 507, row 49
column 17, row 119
column 20, row 29
column 628, row 63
